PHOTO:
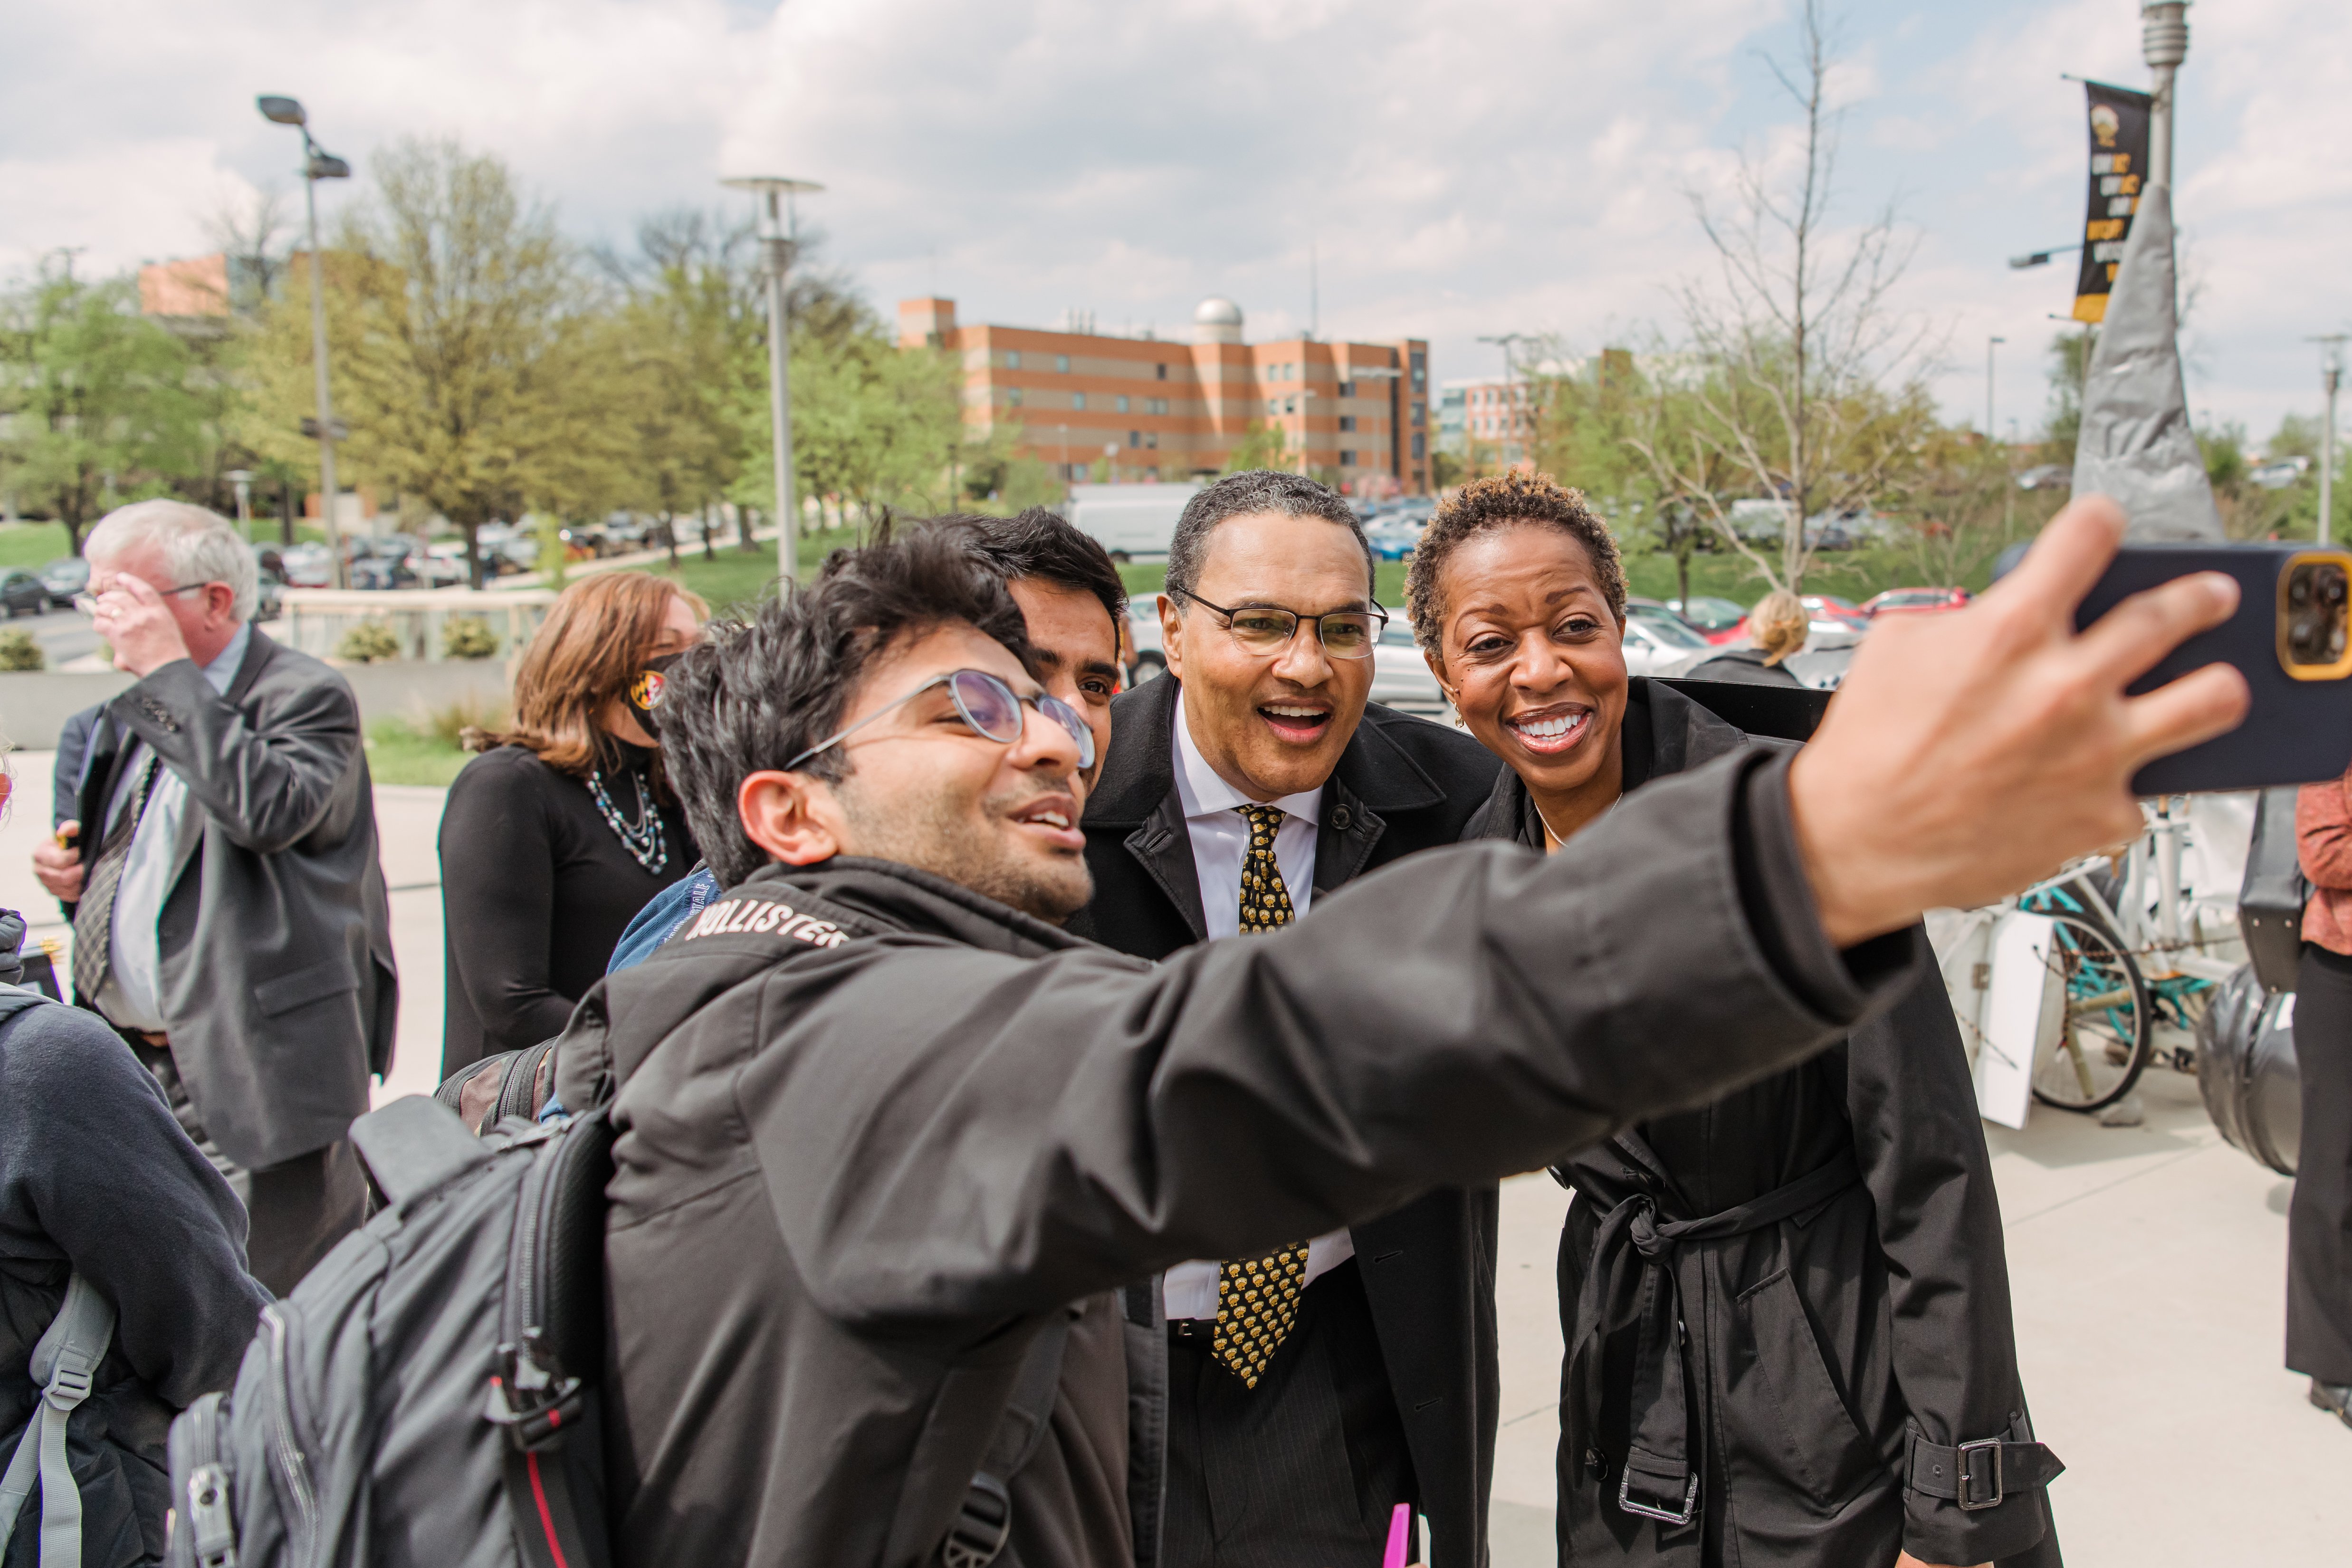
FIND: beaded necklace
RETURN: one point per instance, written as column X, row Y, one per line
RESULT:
column 643, row 838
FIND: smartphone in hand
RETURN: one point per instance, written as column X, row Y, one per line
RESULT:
column 2290, row 638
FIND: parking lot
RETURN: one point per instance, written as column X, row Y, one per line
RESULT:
column 2147, row 1267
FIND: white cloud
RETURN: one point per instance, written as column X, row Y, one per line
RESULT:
column 1462, row 170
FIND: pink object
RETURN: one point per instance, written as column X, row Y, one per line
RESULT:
column 1400, row 1536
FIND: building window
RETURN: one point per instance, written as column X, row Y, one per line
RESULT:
column 1152, row 440
column 1346, row 389
column 1347, row 457
column 1122, row 403
column 1078, row 400
column 1273, row 405
column 1290, row 405
column 1347, row 424
column 1155, row 405
column 1013, row 398
column 1420, row 415
column 1420, row 370
column 1062, row 363
column 1135, row 440
column 1420, row 447
column 1152, row 475
column 1162, row 370
column 1012, row 359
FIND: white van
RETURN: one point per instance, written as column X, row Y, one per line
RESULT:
column 1131, row 521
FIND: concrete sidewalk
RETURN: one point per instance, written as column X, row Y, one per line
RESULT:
column 2148, row 1267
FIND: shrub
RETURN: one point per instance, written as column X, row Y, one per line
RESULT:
column 468, row 636
column 19, row 651
column 368, row 642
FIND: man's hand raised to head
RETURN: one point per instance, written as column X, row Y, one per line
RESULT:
column 1969, row 754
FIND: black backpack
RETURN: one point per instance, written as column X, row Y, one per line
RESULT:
column 2246, row 1069
column 425, row 1398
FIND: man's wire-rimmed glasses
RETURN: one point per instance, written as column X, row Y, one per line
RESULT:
column 1268, row 628
column 985, row 703
column 88, row 603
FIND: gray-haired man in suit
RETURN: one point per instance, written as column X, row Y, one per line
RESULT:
column 229, row 915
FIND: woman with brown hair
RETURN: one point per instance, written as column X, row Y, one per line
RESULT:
column 1777, row 627
column 1787, row 1312
column 564, row 825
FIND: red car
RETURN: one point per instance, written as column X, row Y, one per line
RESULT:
column 1830, row 607
column 1912, row 601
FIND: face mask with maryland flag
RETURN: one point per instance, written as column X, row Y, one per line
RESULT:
column 644, row 693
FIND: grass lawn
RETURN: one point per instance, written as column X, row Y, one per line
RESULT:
column 400, row 753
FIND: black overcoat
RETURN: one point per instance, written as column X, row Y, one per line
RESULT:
column 1402, row 784
column 1853, row 1306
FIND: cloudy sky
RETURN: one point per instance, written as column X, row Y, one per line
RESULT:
column 1514, row 165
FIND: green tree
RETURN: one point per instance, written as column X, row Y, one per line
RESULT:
column 101, row 403
column 465, row 350
column 2069, row 357
column 1798, row 381
column 1262, row 446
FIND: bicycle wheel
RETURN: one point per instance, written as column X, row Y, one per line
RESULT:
column 2100, row 1044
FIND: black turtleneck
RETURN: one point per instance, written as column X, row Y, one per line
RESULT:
column 536, row 887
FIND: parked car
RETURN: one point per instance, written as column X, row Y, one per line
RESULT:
column 1146, row 661
column 1908, row 601
column 1718, row 620
column 307, row 565
column 269, row 602
column 23, row 592
column 2047, row 476
column 2280, row 472
column 63, row 578
column 1394, row 538
column 1128, row 521
column 1402, row 678
column 1655, row 637
column 1844, row 611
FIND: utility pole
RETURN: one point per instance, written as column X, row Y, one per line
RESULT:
column 1991, row 344
column 778, row 233
column 2164, row 44
column 317, row 165
column 2331, row 377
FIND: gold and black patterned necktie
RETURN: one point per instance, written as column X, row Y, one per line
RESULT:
column 1257, row 1298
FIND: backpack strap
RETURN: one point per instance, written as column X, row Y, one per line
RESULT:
column 64, row 1362
column 983, row 1521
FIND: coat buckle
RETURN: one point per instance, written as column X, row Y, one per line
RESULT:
column 1665, row 1516
column 1979, row 1482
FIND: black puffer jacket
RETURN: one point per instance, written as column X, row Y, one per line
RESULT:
column 96, row 1176
column 1822, row 1342
column 874, row 1131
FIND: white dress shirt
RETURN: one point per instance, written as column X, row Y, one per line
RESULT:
column 1220, row 837
column 131, row 997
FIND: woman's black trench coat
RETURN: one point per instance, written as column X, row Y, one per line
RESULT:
column 1786, row 1311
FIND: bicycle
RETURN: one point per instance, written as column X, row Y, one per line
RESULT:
column 2128, row 960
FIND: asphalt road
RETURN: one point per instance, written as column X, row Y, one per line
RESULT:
column 63, row 635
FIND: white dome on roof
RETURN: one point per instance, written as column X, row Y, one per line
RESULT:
column 1217, row 321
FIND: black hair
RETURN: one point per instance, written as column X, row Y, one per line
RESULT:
column 1239, row 495
column 1506, row 500
column 1041, row 544
column 755, row 694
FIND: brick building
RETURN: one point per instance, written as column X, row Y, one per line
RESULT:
column 1163, row 410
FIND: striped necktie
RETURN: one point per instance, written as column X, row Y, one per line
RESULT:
column 93, row 921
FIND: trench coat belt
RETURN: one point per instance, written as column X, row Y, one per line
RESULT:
column 1632, row 1278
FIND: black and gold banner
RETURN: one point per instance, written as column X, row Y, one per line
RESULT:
column 2118, row 163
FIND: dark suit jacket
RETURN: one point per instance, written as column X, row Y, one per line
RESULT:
column 278, row 987
column 1402, row 784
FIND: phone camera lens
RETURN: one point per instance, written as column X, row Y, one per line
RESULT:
column 2315, row 598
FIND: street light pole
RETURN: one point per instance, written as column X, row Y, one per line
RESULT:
column 1990, row 344
column 317, row 165
column 776, row 243
column 2164, row 44
column 2331, row 376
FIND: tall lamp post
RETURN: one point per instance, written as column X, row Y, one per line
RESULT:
column 2331, row 377
column 779, row 229
column 317, row 165
column 2164, row 44
column 1991, row 344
